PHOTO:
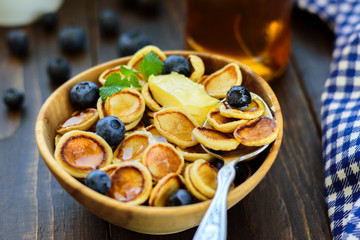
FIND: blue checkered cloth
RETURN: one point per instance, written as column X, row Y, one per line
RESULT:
column 341, row 116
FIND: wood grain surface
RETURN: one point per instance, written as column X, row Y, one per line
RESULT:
column 287, row 204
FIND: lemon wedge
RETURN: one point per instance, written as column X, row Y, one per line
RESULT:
column 176, row 90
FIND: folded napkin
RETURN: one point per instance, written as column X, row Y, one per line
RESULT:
column 341, row 116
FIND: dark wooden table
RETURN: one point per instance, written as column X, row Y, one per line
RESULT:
column 287, row 204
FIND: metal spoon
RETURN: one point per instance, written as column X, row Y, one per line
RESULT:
column 214, row 223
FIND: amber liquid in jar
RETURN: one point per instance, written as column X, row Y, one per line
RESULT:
column 254, row 32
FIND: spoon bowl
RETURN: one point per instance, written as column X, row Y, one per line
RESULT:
column 213, row 225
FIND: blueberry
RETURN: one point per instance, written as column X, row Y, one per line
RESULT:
column 49, row 21
column 72, row 38
column 131, row 41
column 238, row 96
column 84, row 95
column 149, row 7
column 58, row 69
column 111, row 129
column 176, row 63
column 242, row 173
column 108, row 22
column 17, row 41
column 13, row 98
column 179, row 198
column 218, row 163
column 99, row 181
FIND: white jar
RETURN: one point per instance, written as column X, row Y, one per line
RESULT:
column 16, row 13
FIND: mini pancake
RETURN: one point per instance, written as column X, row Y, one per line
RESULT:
column 176, row 126
column 57, row 138
column 218, row 83
column 202, row 79
column 80, row 152
column 108, row 72
column 127, row 105
column 204, row 177
column 93, row 127
column 146, row 120
column 131, row 125
column 160, row 194
column 131, row 183
column 158, row 137
column 184, row 168
column 79, row 120
column 132, row 147
column 255, row 109
column 149, row 100
column 150, row 120
column 194, row 153
column 162, row 159
column 223, row 124
column 109, row 169
column 150, row 114
column 198, row 67
column 134, row 62
column 214, row 139
column 258, row 132
column 101, row 108
column 139, row 127
column 189, row 184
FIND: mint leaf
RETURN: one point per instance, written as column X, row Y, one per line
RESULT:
column 112, row 79
column 106, row 92
column 115, row 82
column 134, row 80
column 115, row 79
column 126, row 72
column 151, row 64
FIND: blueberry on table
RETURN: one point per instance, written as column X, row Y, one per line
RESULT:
column 176, row 63
column 108, row 22
column 49, row 21
column 179, row 198
column 13, row 98
column 99, row 181
column 238, row 96
column 72, row 38
column 17, row 41
column 84, row 95
column 131, row 41
column 58, row 69
column 111, row 129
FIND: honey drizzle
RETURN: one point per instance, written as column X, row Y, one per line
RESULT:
column 77, row 119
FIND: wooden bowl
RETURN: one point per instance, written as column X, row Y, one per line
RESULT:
column 145, row 219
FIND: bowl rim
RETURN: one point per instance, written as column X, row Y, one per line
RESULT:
column 78, row 189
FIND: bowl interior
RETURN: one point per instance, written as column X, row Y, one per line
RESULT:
column 144, row 219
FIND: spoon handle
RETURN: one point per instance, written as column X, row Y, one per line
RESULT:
column 214, row 223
